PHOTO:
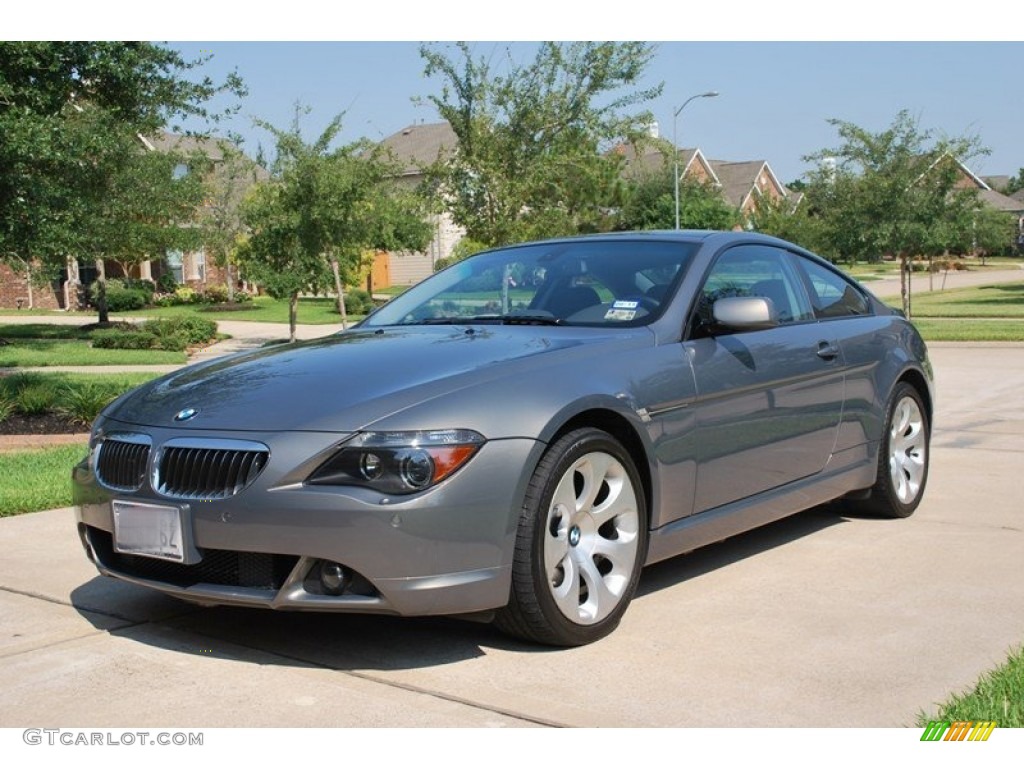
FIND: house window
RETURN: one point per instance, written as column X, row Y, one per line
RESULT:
column 180, row 171
column 174, row 263
column 199, row 265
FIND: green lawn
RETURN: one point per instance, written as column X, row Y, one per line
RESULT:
column 972, row 329
column 314, row 311
column 1004, row 300
column 47, row 352
column 998, row 696
column 41, row 331
column 39, row 479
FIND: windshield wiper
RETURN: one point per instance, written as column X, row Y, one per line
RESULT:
column 518, row 318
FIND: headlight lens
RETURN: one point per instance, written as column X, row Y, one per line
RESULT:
column 399, row 462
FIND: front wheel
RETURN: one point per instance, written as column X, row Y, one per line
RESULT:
column 580, row 544
column 903, row 457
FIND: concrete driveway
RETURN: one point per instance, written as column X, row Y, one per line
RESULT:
column 819, row 620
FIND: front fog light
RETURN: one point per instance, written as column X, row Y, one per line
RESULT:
column 333, row 578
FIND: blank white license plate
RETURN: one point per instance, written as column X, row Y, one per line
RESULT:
column 153, row 530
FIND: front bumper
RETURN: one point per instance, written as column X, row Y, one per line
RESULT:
column 444, row 551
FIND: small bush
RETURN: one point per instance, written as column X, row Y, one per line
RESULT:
column 84, row 401
column 167, row 283
column 215, row 294
column 195, row 330
column 183, row 294
column 358, row 302
column 7, row 406
column 121, row 296
column 115, row 339
column 37, row 399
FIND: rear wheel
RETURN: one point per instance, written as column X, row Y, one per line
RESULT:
column 903, row 457
column 580, row 545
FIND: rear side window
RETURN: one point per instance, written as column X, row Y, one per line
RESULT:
column 832, row 295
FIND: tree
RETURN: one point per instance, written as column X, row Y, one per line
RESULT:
column 146, row 208
column 323, row 208
column 649, row 203
column 68, row 113
column 895, row 192
column 231, row 177
column 1016, row 183
column 530, row 160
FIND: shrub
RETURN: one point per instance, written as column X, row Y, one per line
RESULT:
column 194, row 330
column 83, row 402
column 118, row 339
column 121, row 296
column 358, row 302
column 167, row 283
column 215, row 294
column 37, row 399
column 7, row 406
column 183, row 294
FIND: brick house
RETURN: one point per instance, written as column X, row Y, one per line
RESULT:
column 192, row 268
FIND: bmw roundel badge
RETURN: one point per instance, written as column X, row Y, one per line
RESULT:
column 185, row 414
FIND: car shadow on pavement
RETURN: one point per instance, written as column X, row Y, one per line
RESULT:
column 740, row 547
column 353, row 642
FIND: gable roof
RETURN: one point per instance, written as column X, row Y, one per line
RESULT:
column 417, row 146
column 1001, row 202
column 739, row 179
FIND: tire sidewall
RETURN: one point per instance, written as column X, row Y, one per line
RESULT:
column 899, row 508
column 572, row 447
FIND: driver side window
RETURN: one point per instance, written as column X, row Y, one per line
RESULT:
column 751, row 270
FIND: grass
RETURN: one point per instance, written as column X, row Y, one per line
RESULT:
column 1004, row 300
column 312, row 311
column 998, row 696
column 39, row 479
column 41, row 331
column 973, row 329
column 49, row 352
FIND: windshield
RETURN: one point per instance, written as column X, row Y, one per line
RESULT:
column 596, row 283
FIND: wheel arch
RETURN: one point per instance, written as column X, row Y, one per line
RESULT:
column 619, row 427
column 918, row 381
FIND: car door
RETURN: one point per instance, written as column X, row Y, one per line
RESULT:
column 769, row 402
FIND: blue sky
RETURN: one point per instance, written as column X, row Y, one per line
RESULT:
column 779, row 82
column 776, row 97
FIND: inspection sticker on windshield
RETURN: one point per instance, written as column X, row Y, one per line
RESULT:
column 622, row 310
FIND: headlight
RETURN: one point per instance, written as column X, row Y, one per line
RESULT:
column 95, row 436
column 399, row 462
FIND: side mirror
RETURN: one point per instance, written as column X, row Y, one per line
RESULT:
column 745, row 313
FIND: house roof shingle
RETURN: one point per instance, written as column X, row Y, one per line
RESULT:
column 417, row 146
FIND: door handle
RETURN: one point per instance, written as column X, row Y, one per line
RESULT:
column 827, row 350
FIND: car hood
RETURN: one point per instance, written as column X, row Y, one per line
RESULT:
column 346, row 381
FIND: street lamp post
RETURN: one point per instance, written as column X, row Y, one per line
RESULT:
column 675, row 144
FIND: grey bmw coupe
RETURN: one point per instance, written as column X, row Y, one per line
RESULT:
column 516, row 436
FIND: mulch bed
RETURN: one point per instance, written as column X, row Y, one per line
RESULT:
column 47, row 424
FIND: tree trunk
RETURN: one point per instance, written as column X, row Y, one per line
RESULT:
column 340, row 291
column 293, row 312
column 905, row 284
column 229, row 283
column 101, row 291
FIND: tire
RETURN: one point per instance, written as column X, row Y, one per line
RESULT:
column 903, row 457
column 580, row 544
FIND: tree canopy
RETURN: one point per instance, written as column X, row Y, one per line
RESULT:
column 898, row 192
column 71, row 114
column 321, row 211
column 531, row 159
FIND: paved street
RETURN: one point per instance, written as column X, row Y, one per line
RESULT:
column 819, row 620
